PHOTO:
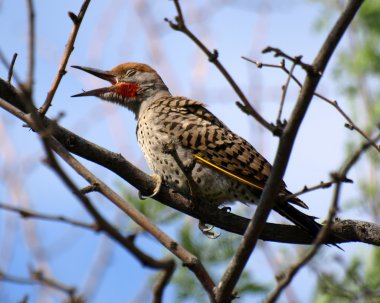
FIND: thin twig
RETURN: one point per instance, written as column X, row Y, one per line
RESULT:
column 350, row 124
column 31, row 48
column 8, row 65
column 284, row 90
column 26, row 213
column 77, row 20
column 38, row 277
column 163, row 281
column 321, row 185
column 296, row 60
column 180, row 25
column 10, row 71
column 268, row 199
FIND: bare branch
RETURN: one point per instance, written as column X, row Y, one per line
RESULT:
column 268, row 197
column 51, row 144
column 180, row 25
column 187, row 258
column 8, row 66
column 321, row 185
column 350, row 124
column 38, row 277
column 284, row 90
column 77, row 20
column 26, row 213
column 296, row 60
column 31, row 48
column 162, row 282
column 10, row 71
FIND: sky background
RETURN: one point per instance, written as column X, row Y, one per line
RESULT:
column 118, row 31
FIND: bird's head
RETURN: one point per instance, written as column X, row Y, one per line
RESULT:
column 131, row 85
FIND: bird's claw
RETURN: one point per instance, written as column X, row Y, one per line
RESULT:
column 158, row 180
column 207, row 230
column 227, row 209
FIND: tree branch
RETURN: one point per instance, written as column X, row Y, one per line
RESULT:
column 39, row 277
column 31, row 48
column 180, row 25
column 268, row 197
column 162, row 282
column 26, row 213
column 340, row 177
column 350, row 124
column 77, row 20
column 10, row 71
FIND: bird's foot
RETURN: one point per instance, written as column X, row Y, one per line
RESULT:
column 227, row 209
column 207, row 230
column 158, row 183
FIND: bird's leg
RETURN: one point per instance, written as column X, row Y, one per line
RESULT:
column 158, row 183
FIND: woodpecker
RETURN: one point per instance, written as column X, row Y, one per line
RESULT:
column 182, row 141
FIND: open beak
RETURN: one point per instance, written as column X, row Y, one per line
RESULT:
column 105, row 75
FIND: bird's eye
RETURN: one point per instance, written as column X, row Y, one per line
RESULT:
column 130, row 73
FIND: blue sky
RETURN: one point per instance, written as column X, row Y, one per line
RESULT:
column 120, row 31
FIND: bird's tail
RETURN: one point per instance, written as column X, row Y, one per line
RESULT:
column 300, row 219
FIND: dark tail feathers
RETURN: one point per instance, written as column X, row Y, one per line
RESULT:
column 300, row 219
column 307, row 223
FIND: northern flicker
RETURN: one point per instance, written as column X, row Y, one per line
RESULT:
column 224, row 166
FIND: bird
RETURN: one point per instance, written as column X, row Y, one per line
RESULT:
column 188, row 148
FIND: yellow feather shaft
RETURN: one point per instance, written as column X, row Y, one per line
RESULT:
column 227, row 172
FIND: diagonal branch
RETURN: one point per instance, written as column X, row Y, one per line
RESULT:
column 350, row 124
column 39, row 277
column 31, row 48
column 284, row 91
column 162, row 282
column 180, row 25
column 10, row 71
column 51, row 144
column 187, row 258
column 321, row 185
column 268, row 197
column 340, row 178
column 77, row 20
column 27, row 213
